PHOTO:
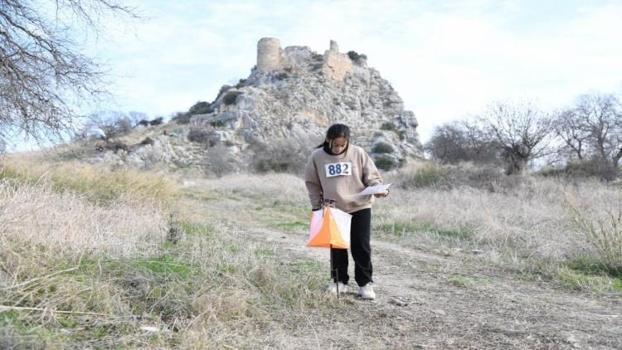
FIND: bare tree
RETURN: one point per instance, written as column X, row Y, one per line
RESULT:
column 569, row 128
column 600, row 118
column 521, row 130
column 42, row 72
column 462, row 141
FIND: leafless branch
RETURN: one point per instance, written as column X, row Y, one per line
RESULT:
column 42, row 72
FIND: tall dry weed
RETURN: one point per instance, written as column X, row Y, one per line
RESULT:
column 66, row 222
column 598, row 216
column 97, row 183
column 525, row 224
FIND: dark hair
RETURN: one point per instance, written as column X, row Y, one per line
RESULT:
column 335, row 131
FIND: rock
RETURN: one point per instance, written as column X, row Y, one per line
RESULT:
column 291, row 97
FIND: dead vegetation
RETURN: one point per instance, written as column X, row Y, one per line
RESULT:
column 456, row 267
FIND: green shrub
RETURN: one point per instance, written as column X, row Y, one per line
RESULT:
column 231, row 97
column 356, row 57
column 385, row 162
column 382, row 147
column 201, row 107
column 428, row 175
column 198, row 135
column 388, row 126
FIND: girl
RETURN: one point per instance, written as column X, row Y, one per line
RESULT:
column 337, row 171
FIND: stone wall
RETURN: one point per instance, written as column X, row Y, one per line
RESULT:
column 336, row 65
column 269, row 56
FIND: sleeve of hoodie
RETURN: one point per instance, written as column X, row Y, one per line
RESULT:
column 314, row 187
column 371, row 175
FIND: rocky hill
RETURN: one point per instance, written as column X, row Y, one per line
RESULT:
column 273, row 118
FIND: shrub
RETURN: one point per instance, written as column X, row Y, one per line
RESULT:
column 281, row 76
column 219, row 161
column 223, row 89
column 198, row 135
column 147, row 141
column 356, row 57
column 426, row 176
column 385, row 162
column 231, row 97
column 280, row 156
column 388, row 126
column 110, row 123
column 464, row 141
column 201, row 107
column 585, row 169
column 382, row 147
column 604, row 232
column 182, row 117
column 157, row 121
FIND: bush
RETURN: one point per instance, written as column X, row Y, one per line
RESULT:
column 594, row 168
column 231, row 97
column 182, row 117
column 356, row 57
column 281, row 157
column 388, row 126
column 201, row 107
column 157, row 121
column 219, row 161
column 604, row 232
column 426, row 176
column 489, row 178
column 147, row 141
column 457, row 142
column 385, row 162
column 110, row 123
column 198, row 135
column 382, row 147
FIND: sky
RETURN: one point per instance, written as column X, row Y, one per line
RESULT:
column 448, row 60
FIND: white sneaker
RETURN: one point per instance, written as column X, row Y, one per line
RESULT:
column 332, row 288
column 367, row 292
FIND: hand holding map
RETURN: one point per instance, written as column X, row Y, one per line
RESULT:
column 376, row 189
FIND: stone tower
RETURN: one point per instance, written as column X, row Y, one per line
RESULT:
column 269, row 55
column 336, row 65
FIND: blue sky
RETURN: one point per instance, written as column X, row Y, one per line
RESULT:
column 447, row 59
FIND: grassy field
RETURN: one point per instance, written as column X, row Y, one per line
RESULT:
column 93, row 258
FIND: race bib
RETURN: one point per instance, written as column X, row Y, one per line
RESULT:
column 338, row 169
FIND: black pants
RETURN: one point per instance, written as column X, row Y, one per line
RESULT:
column 361, row 251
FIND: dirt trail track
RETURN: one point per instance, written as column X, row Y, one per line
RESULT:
column 432, row 301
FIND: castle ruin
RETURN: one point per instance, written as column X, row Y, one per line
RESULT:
column 270, row 58
column 269, row 55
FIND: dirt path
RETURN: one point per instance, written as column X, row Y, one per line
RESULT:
column 430, row 301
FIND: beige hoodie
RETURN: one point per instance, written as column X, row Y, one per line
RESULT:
column 340, row 178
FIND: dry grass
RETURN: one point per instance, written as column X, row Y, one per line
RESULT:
column 67, row 222
column 601, row 223
column 82, row 273
column 526, row 224
column 82, row 269
column 280, row 187
column 97, row 183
